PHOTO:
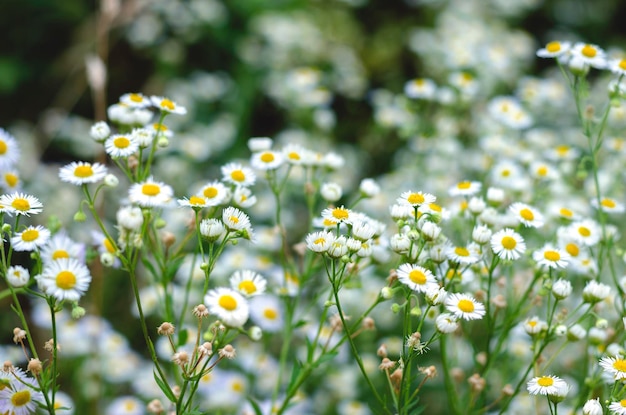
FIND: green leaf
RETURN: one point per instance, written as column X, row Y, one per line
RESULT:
column 326, row 357
column 150, row 268
column 163, row 386
column 255, row 406
column 182, row 337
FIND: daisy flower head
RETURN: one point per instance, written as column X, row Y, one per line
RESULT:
column 235, row 220
column 10, row 181
column 585, row 231
column 30, row 239
column 212, row 229
column 420, row 88
column 267, row 160
column 150, row 193
column 466, row 255
column 465, row 188
column 20, row 399
column 338, row 215
column 446, row 323
column 615, row 366
column 319, row 241
column 417, row 278
column 248, row 283
column 21, row 204
column 415, row 199
column 143, row 136
column 194, row 202
column 464, row 306
column 608, row 205
column 9, row 150
column 618, row 407
column 534, row 325
column 80, row 172
column 215, row 193
column 129, row 218
column 259, row 144
column 160, row 130
column 125, row 405
column 551, row 257
column 617, row 66
column 121, row 146
column 243, row 197
column 589, row 55
column 135, row 100
column 266, row 311
column 167, row 105
column 230, row 307
column 527, row 215
column 238, row 175
column 61, row 246
column 295, row 154
column 508, row 244
column 18, row 276
column 554, row 49
column 100, row 131
column 65, row 279
column 595, row 292
column 547, row 385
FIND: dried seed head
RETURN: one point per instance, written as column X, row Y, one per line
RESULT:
column 18, row 335
column 227, row 352
column 200, row 311
column 34, row 366
column 166, row 329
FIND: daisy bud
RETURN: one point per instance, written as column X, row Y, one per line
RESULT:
column 369, row 188
column 477, row 384
column 77, row 312
column 560, row 330
column 576, row 332
column 34, row 366
column 593, row 407
column 259, row 144
column 561, row 289
column 6, row 228
column 80, row 216
column 111, row 180
column 602, row 323
column 368, row 323
column 331, row 192
column 386, row 293
column 255, row 333
column 163, row 142
column 160, row 223
column 100, row 131
column 168, row 239
column 107, row 259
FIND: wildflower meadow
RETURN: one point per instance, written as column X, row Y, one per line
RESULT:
column 343, row 207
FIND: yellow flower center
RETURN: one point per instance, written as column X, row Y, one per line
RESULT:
column 464, row 185
column 228, row 302
column 532, row 323
column 623, row 403
column 589, row 51
column 11, row 179
column 508, row 242
column 150, row 189
column 584, row 231
column 435, row 207
column 542, row 171
column 622, row 64
column 526, row 214
column 237, row 386
column 460, row 251
column 417, row 277
column 30, row 235
column 552, row 256
column 419, row 82
column 238, row 176
column 319, row 241
column 3, row 147
column 267, row 157
column 247, row 286
column 234, row 219
column 270, row 313
column 196, row 200
column 66, row 280
column 60, row 253
column 294, row 156
column 340, row 213
column 130, row 405
column 553, row 47
column 506, row 173
column 566, row 212
column 620, row 365
column 415, row 198
column 572, row 249
column 159, row 127
column 466, row 306
column 20, row 204
column 166, row 103
column 121, row 142
column 109, row 246
column 562, row 150
column 20, row 398
column 545, row 381
column 136, row 98
column 210, row 192
column 84, row 170
column 608, row 203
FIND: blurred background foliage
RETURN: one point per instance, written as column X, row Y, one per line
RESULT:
column 150, row 43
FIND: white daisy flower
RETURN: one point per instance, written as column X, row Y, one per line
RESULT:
column 10, row 181
column 194, row 202
column 266, row 311
column 129, row 218
column 9, row 150
column 18, row 276
column 65, row 279
column 608, row 205
column 338, row 215
column 150, row 193
column 20, row 399
column 615, row 366
column 212, row 229
column 415, row 199
column 546, row 385
column 464, row 255
column 248, row 283
column 551, row 257
column 508, row 244
column 464, row 306
column 319, row 241
column 554, row 49
column 143, row 136
column 243, row 197
column 585, row 231
column 125, row 405
column 121, row 146
column 21, row 204
column 215, row 193
column 135, row 100
column 618, row 408
column 81, row 172
column 30, row 238
column 465, row 188
column 534, row 325
column 446, row 323
column 420, row 88
column 167, row 105
column 235, row 220
column 61, row 246
column 527, row 215
column 595, row 292
column 235, row 173
column 617, row 66
column 267, row 160
column 338, row 247
column 417, row 278
column 589, row 55
column 295, row 154
column 228, row 305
